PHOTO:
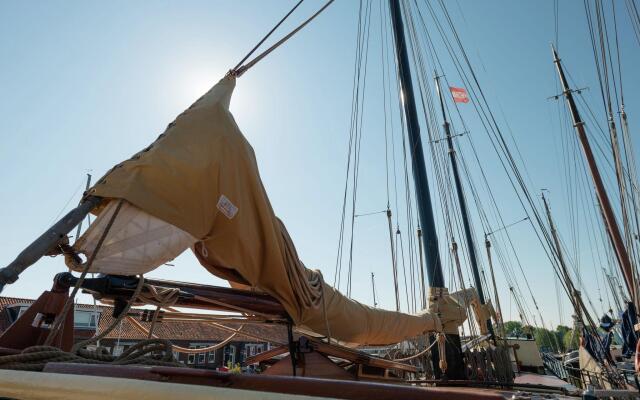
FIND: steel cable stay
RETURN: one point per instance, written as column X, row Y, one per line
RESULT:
column 354, row 107
column 632, row 11
column 534, row 299
column 510, row 160
column 357, row 146
column 604, row 63
column 388, row 93
column 442, row 173
column 417, row 56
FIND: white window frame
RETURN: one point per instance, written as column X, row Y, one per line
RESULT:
column 231, row 354
column 191, row 359
column 251, row 349
column 94, row 318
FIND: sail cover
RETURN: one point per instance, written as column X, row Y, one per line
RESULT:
column 198, row 186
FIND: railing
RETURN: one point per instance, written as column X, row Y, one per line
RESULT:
column 581, row 378
column 554, row 365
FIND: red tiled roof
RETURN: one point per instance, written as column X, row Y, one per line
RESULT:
column 171, row 330
column 7, row 301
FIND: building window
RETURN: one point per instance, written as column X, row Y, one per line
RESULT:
column 16, row 311
column 201, row 358
column 192, row 356
column 84, row 319
column 230, row 355
column 212, row 357
column 252, row 349
column 118, row 349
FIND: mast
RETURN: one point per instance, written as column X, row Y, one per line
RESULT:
column 563, row 266
column 373, row 289
column 425, row 209
column 471, row 247
column 500, row 320
column 609, row 218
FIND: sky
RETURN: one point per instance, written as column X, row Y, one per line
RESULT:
column 86, row 84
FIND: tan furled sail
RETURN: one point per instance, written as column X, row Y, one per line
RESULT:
column 201, row 178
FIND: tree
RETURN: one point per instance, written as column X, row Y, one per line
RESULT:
column 562, row 330
column 571, row 340
column 545, row 339
column 513, row 328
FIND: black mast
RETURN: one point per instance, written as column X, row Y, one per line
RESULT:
column 425, row 209
column 471, row 247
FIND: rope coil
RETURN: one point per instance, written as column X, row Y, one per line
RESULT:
column 147, row 352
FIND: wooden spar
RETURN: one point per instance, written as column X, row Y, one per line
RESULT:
column 393, row 261
column 609, row 217
column 47, row 241
column 433, row 264
column 556, row 241
column 633, row 185
column 500, row 320
column 373, row 289
column 574, row 294
column 86, row 189
column 191, row 295
column 471, row 247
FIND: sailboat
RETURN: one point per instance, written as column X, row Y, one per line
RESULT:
column 198, row 187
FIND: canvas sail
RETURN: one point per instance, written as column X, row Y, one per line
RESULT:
column 198, row 186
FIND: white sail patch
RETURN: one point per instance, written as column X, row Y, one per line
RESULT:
column 136, row 243
column 227, row 207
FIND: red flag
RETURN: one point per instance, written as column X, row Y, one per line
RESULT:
column 459, row 95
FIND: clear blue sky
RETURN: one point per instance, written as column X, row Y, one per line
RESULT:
column 86, row 84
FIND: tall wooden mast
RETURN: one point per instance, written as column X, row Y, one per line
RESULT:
column 607, row 211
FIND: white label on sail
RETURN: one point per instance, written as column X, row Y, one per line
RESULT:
column 227, row 207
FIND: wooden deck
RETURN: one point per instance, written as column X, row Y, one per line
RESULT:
column 546, row 380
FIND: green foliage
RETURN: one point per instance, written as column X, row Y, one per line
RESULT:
column 546, row 339
column 561, row 339
column 513, row 328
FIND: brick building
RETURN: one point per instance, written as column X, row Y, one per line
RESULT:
column 194, row 335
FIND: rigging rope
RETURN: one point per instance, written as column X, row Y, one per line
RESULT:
column 267, row 36
column 60, row 318
column 239, row 70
